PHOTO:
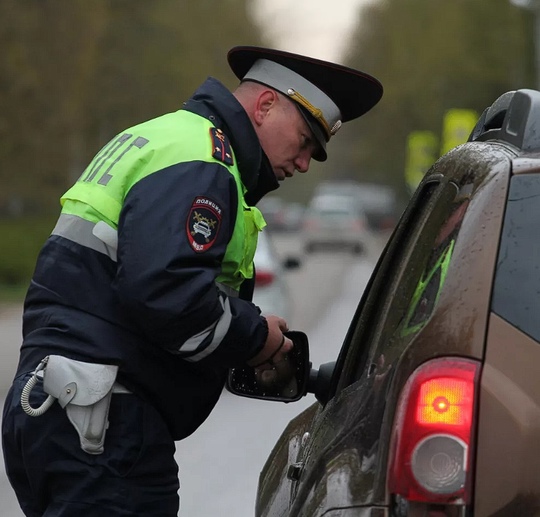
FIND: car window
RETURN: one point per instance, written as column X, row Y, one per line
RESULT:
column 407, row 282
column 428, row 288
column 517, row 278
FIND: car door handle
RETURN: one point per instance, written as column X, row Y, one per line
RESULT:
column 295, row 471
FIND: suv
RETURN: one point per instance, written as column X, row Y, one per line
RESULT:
column 433, row 406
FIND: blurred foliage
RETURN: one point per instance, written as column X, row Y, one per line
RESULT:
column 430, row 56
column 74, row 73
column 22, row 239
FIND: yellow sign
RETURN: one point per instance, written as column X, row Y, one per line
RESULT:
column 457, row 126
column 422, row 151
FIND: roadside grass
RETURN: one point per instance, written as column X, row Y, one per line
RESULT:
column 20, row 242
column 12, row 294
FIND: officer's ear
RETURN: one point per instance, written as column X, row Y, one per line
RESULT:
column 266, row 101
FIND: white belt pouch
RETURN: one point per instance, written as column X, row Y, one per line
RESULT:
column 84, row 390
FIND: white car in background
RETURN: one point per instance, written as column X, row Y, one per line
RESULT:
column 378, row 201
column 334, row 222
column 271, row 292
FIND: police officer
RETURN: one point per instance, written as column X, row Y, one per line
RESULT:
column 140, row 300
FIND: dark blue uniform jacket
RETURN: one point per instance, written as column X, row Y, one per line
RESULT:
column 133, row 313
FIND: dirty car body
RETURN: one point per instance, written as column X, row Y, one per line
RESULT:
column 433, row 405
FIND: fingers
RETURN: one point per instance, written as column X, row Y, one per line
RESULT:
column 279, row 357
column 267, row 377
column 284, row 327
column 276, row 346
column 277, row 321
column 285, row 349
column 276, row 378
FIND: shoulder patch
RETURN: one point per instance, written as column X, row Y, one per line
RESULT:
column 221, row 148
column 203, row 223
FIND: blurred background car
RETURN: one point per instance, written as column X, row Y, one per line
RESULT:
column 274, row 209
column 294, row 216
column 281, row 215
column 378, row 202
column 271, row 291
column 335, row 222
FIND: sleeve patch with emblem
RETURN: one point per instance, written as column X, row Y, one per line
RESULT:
column 221, row 148
column 203, row 223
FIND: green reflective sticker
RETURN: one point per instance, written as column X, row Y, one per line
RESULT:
column 427, row 292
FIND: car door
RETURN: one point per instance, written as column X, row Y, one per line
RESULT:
column 340, row 457
column 436, row 271
column 331, row 448
column 341, row 463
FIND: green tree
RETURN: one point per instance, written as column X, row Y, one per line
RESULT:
column 430, row 56
column 74, row 73
column 48, row 49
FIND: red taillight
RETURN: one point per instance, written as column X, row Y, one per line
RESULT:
column 446, row 401
column 263, row 278
column 432, row 437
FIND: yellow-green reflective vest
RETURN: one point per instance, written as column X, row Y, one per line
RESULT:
column 145, row 149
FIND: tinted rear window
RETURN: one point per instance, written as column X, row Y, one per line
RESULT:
column 516, row 295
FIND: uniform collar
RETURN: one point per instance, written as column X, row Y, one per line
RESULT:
column 215, row 102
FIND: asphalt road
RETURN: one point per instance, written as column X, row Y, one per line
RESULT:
column 220, row 463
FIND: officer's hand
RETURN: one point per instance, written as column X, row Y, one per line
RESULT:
column 280, row 380
column 276, row 346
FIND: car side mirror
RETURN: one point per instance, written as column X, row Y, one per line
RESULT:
column 288, row 382
column 320, row 382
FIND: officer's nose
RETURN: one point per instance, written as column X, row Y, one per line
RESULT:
column 301, row 164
